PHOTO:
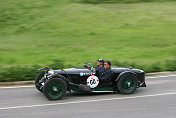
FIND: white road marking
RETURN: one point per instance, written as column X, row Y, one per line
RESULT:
column 88, row 101
column 13, row 87
column 151, row 77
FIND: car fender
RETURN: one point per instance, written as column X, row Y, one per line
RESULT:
column 60, row 76
column 123, row 73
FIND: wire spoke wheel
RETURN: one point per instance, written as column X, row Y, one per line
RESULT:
column 54, row 89
column 127, row 83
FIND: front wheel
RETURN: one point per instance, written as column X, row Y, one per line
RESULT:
column 54, row 89
column 127, row 84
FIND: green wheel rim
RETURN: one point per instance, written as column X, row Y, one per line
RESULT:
column 39, row 84
column 55, row 90
column 39, row 81
column 128, row 84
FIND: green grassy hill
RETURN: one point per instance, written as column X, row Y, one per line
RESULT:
column 40, row 32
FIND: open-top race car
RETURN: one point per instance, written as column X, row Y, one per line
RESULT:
column 55, row 83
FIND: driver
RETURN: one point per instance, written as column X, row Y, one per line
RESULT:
column 100, row 63
column 106, row 71
column 99, row 67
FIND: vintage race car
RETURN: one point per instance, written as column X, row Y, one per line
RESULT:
column 55, row 83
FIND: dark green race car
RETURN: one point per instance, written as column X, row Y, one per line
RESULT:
column 55, row 83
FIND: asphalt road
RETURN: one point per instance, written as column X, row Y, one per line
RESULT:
column 157, row 100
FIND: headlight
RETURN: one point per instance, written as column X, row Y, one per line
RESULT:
column 51, row 72
column 141, row 71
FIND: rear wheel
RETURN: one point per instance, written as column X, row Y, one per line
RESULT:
column 39, row 81
column 54, row 89
column 127, row 83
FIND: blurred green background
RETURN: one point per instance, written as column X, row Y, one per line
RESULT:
column 67, row 33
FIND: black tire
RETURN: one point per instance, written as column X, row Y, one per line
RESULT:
column 54, row 89
column 127, row 84
column 39, row 77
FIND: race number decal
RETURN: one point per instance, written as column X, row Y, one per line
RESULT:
column 92, row 81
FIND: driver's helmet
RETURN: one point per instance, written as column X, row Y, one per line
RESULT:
column 100, row 60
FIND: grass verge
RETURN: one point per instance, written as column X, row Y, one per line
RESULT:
column 36, row 32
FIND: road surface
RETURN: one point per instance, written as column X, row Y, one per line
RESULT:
column 157, row 100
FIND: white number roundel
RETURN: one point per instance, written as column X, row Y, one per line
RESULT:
column 92, row 81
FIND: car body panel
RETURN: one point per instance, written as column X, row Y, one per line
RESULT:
column 80, row 75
